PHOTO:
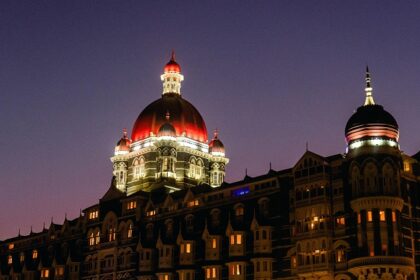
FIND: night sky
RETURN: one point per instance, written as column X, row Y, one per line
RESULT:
column 270, row 75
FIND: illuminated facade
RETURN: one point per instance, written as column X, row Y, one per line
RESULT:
column 168, row 215
column 169, row 146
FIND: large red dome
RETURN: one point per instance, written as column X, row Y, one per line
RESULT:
column 184, row 117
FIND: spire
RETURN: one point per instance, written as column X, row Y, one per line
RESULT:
column 125, row 133
column 368, row 89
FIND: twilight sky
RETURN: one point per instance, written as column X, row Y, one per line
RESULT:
column 270, row 75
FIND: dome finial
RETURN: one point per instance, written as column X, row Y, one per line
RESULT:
column 215, row 133
column 173, row 55
column 125, row 132
column 368, row 89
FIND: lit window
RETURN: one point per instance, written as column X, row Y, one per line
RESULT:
column 111, row 234
column 293, row 261
column 93, row 215
column 131, row 205
column 340, row 255
column 35, row 254
column 371, row 251
column 213, row 243
column 151, row 213
column 11, row 246
column 359, row 218
column 97, row 238
column 341, row 221
column 22, row 257
column 164, row 277
column 394, row 217
column 382, row 216
column 91, row 239
column 59, row 271
column 45, row 273
column 369, row 216
column 211, row 273
column 130, row 231
column 407, row 166
column 193, row 203
column 239, row 211
column 235, row 269
column 188, row 248
column 9, row 259
column 236, row 239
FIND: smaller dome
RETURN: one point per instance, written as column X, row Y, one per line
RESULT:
column 371, row 114
column 123, row 145
column 216, row 146
column 167, row 129
column 172, row 65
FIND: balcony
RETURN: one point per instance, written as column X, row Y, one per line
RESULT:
column 320, row 268
column 380, row 261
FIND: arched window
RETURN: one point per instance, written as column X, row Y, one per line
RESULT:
column 215, row 217
column 192, row 168
column 199, row 169
column 189, row 223
column 239, row 211
column 264, row 206
column 388, row 178
column 91, row 239
column 97, row 237
column 370, row 173
column 169, row 228
column 340, row 255
column 130, row 231
column 136, row 169
column 149, row 231
column 111, row 233
column 355, row 181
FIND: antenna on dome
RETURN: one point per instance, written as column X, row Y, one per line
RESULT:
column 368, row 89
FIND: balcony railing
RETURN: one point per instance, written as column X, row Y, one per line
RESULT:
column 381, row 260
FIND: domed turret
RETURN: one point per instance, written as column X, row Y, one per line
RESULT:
column 167, row 128
column 216, row 146
column 123, row 145
column 371, row 125
column 185, row 118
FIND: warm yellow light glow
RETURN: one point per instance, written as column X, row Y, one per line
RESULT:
column 45, row 273
column 369, row 216
column 131, row 205
column 213, row 243
column 382, row 216
column 35, row 254
column 93, row 215
column 151, row 213
column 394, row 217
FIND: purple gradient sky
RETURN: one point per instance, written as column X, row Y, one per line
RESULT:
column 270, row 75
